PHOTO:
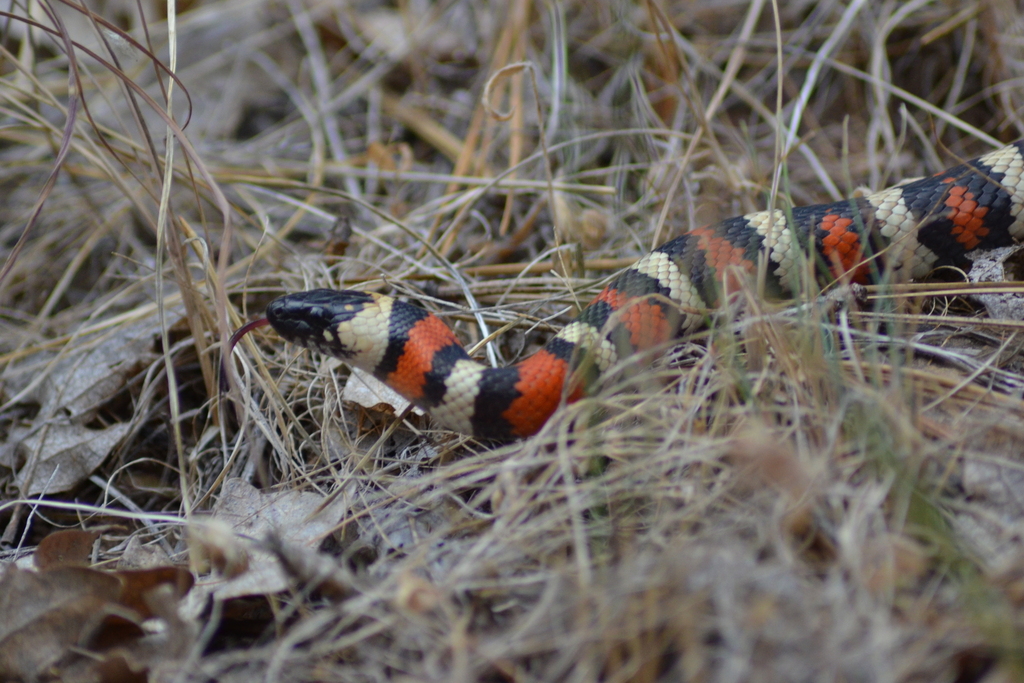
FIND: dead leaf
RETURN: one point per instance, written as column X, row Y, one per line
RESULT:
column 76, row 623
column 367, row 391
column 998, row 265
column 66, row 548
column 139, row 556
column 46, row 613
column 214, row 546
column 75, row 387
column 254, row 513
column 58, row 457
column 55, row 451
column 298, row 516
column 137, row 584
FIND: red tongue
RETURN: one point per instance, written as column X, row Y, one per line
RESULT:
column 239, row 333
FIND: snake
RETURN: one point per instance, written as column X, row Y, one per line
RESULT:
column 903, row 233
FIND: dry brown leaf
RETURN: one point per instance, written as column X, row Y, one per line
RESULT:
column 58, row 457
column 255, row 513
column 76, row 386
column 56, row 451
column 139, row 556
column 214, row 546
column 65, row 548
column 137, row 584
column 48, row 612
column 294, row 515
column 75, row 623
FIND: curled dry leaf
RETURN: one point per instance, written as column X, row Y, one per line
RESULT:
column 367, row 391
column 65, row 548
column 214, row 546
column 139, row 556
column 416, row 594
column 588, row 227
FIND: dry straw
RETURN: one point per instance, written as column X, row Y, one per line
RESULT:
column 817, row 491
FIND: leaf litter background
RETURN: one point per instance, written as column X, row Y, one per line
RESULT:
column 826, row 492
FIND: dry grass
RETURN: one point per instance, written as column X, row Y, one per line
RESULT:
column 809, row 496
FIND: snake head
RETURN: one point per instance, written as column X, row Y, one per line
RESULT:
column 324, row 320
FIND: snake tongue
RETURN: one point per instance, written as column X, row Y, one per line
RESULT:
column 239, row 333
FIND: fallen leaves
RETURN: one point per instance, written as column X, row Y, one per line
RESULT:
column 64, row 442
column 58, row 457
column 245, row 518
column 49, row 613
column 71, row 622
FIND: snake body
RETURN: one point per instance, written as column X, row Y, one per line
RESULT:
column 905, row 231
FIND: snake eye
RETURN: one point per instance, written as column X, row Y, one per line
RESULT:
column 295, row 320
